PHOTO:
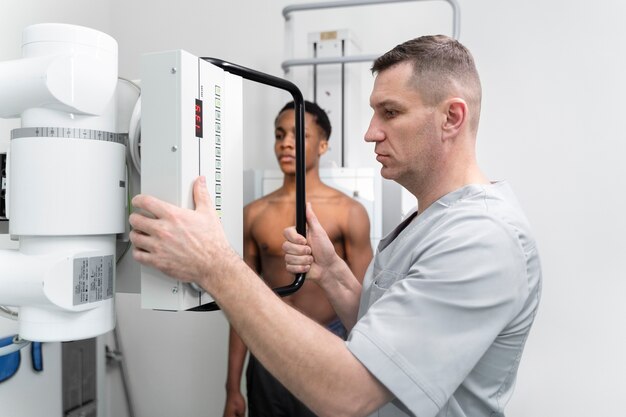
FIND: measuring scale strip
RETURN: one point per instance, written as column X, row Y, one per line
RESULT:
column 69, row 133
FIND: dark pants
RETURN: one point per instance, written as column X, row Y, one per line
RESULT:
column 269, row 398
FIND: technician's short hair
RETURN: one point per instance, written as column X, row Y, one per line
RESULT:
column 440, row 64
column 319, row 115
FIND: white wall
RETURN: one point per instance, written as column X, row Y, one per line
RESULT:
column 553, row 107
column 553, row 75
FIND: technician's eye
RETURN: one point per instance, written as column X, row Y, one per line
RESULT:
column 389, row 114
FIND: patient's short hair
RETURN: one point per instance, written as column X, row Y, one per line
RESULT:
column 320, row 116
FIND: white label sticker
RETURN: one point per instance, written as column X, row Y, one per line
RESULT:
column 93, row 279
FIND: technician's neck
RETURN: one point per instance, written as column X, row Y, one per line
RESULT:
column 446, row 184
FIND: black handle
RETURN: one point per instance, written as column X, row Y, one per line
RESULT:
column 298, row 100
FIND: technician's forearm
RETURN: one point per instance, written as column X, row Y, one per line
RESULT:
column 311, row 362
column 343, row 291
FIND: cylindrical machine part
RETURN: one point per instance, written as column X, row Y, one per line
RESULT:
column 61, row 187
column 64, row 285
column 21, row 278
column 57, row 38
column 66, row 182
column 42, row 117
column 43, row 324
column 64, row 67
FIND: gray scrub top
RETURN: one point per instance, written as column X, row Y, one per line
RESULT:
column 447, row 305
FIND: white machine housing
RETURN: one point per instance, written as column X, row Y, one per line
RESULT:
column 191, row 125
column 66, row 183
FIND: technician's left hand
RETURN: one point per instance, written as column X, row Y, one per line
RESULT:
column 185, row 244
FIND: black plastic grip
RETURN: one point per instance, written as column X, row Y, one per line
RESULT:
column 298, row 99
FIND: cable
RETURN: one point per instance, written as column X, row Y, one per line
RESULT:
column 116, row 356
column 134, row 129
column 8, row 313
column 124, row 374
column 133, row 154
column 18, row 343
column 134, row 135
column 134, row 84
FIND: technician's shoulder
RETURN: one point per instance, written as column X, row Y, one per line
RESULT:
column 487, row 223
column 502, row 207
column 485, row 214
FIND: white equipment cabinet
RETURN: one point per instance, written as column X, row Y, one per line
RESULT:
column 191, row 125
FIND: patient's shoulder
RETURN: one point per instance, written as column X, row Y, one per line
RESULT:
column 270, row 205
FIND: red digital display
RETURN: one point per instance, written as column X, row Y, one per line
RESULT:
column 198, row 118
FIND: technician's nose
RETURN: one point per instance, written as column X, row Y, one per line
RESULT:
column 374, row 133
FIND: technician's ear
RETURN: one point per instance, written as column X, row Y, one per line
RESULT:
column 323, row 147
column 455, row 117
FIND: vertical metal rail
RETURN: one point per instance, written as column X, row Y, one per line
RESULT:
column 314, row 73
column 343, row 105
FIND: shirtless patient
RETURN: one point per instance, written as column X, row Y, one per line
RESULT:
column 347, row 224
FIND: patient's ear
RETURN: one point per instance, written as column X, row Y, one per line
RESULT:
column 323, row 147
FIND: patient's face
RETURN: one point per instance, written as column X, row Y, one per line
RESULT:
column 285, row 144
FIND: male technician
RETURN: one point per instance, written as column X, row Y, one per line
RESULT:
column 439, row 325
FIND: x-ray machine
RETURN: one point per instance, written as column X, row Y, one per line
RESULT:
column 68, row 169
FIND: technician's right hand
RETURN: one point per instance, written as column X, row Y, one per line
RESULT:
column 235, row 405
column 314, row 255
column 189, row 245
